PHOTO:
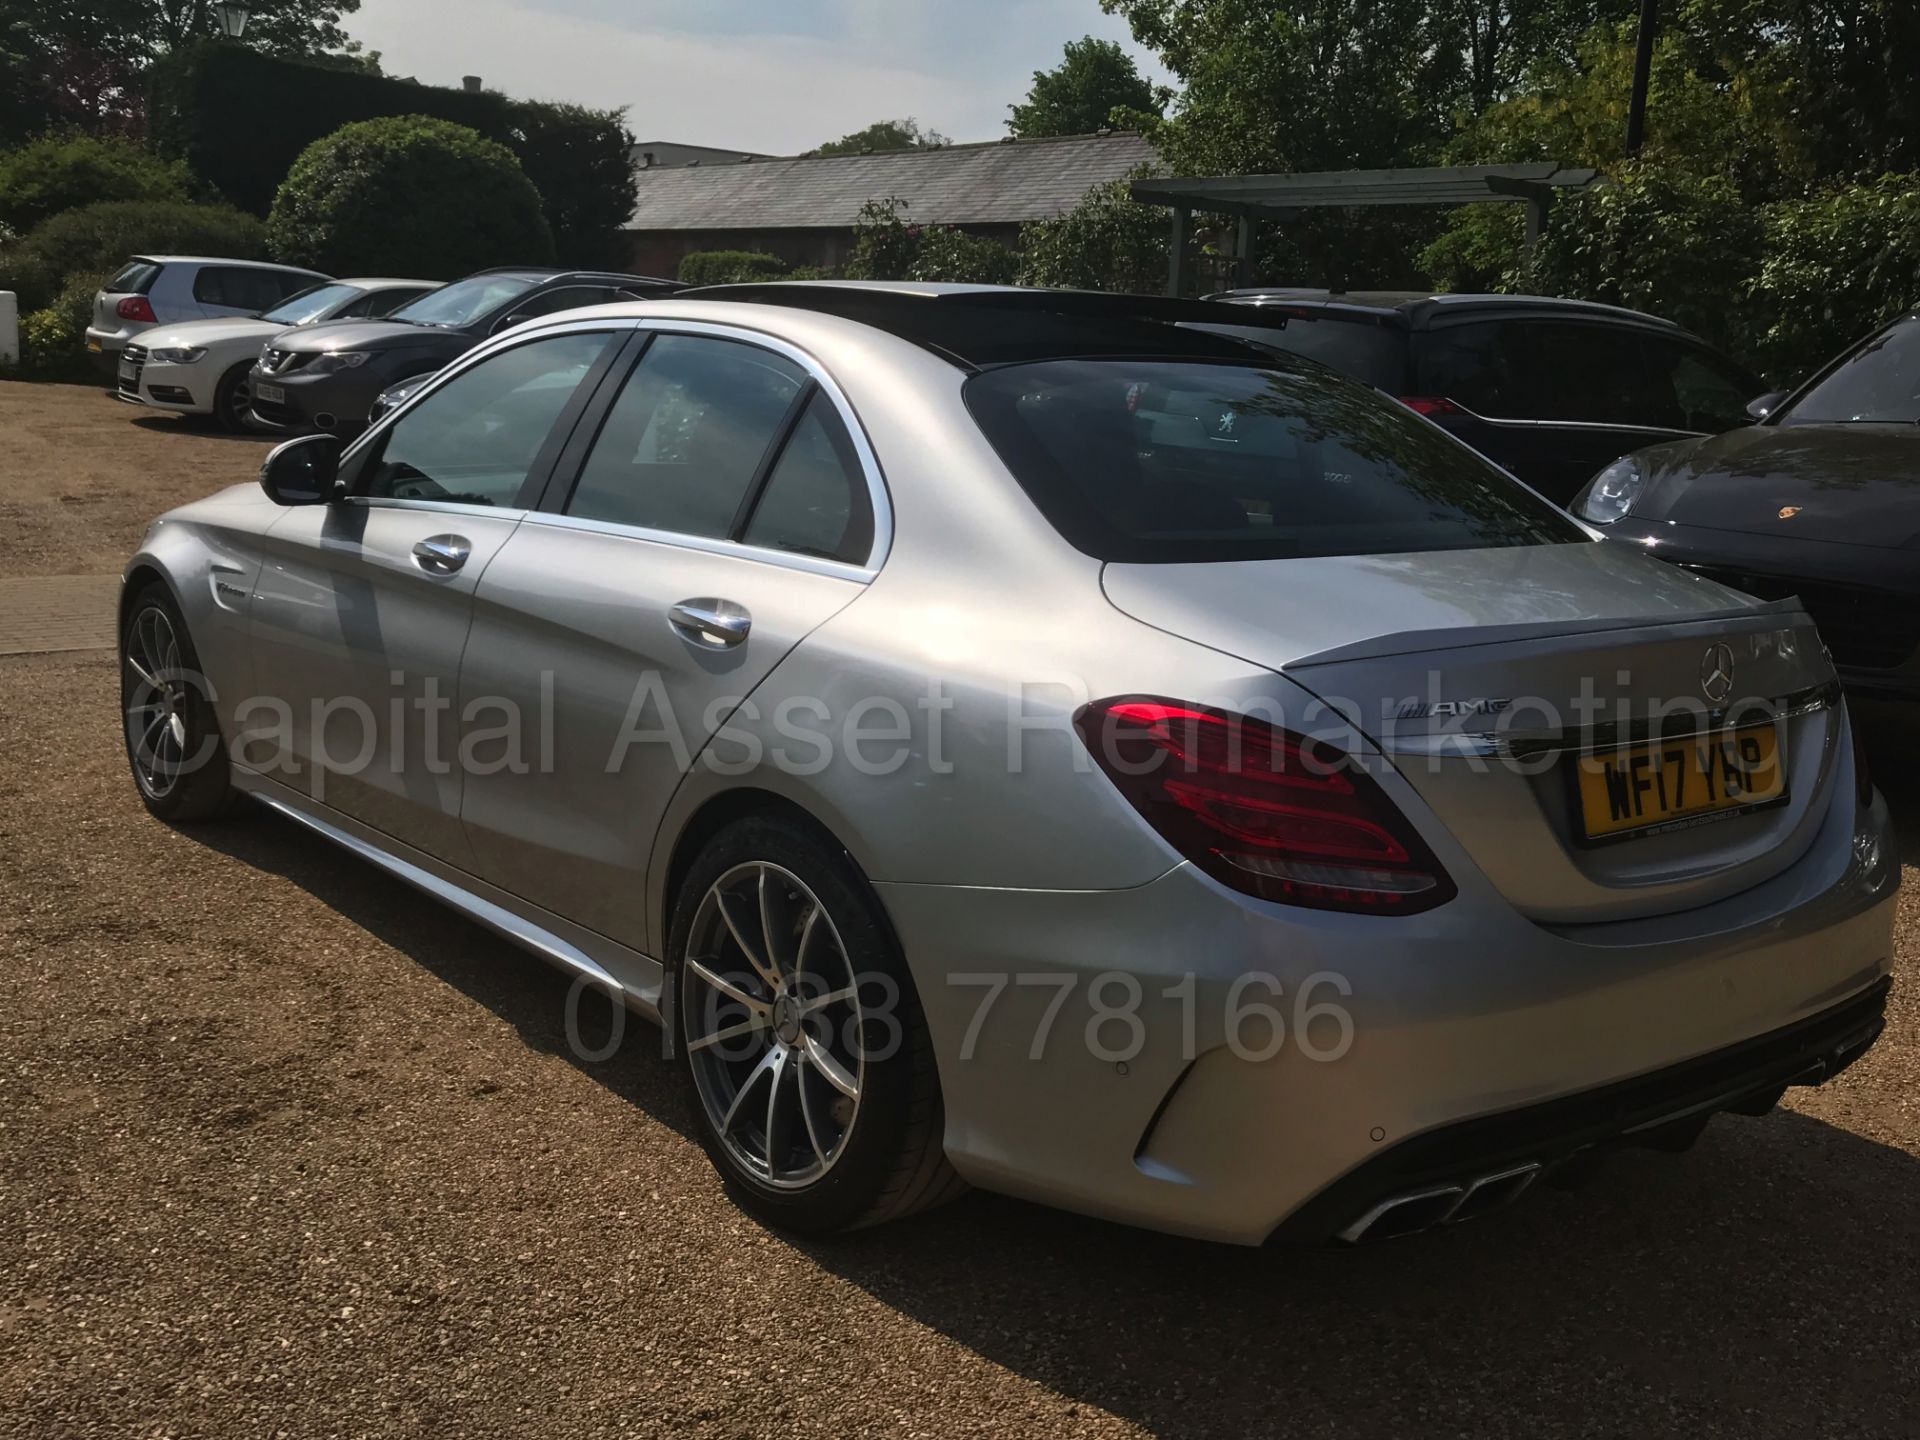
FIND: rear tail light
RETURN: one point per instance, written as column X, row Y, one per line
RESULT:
column 1270, row 813
column 137, row 307
column 1429, row 405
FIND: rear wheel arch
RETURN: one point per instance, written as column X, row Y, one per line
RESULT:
column 714, row 815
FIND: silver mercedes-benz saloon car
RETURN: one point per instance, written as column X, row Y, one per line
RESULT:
column 1033, row 740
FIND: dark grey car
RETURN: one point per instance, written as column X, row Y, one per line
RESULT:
column 1550, row 389
column 329, row 382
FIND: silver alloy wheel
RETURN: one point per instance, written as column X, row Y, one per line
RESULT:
column 157, row 701
column 773, row 1026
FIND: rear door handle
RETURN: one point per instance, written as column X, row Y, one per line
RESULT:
column 441, row 554
column 714, row 624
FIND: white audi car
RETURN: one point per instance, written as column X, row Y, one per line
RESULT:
column 200, row 367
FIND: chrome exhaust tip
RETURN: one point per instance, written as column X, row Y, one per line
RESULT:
column 1419, row 1210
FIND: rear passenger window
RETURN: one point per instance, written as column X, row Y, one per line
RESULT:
column 687, row 435
column 239, row 288
column 816, row 501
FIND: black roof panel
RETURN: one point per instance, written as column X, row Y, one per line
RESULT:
column 969, row 324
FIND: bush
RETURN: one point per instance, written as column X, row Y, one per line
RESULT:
column 1109, row 241
column 946, row 253
column 99, row 238
column 407, row 195
column 53, row 340
column 242, row 119
column 884, row 244
column 730, row 267
column 65, row 172
column 1837, row 266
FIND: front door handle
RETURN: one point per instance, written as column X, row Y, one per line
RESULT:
column 441, row 554
column 714, row 624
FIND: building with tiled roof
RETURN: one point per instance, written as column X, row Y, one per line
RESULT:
column 803, row 209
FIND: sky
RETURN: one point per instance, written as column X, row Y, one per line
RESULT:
column 778, row 76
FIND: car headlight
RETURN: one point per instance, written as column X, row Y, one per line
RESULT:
column 334, row 360
column 178, row 355
column 1611, row 493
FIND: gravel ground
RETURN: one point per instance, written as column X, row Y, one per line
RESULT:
column 81, row 474
column 286, row 1149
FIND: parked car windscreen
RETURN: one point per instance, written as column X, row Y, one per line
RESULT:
column 1170, row 461
column 1361, row 346
column 465, row 301
column 135, row 278
column 1878, row 383
column 309, row 304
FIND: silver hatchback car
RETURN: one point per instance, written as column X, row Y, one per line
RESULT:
column 1024, row 738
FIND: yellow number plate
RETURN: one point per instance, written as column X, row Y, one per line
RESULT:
column 1673, row 784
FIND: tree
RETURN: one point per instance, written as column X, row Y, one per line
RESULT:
column 885, row 135
column 1080, row 95
column 407, row 195
column 81, row 62
column 581, row 161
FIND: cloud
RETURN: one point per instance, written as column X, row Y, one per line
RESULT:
column 771, row 75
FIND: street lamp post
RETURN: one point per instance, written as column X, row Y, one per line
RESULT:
column 233, row 17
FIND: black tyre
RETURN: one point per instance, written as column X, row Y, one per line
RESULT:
column 233, row 397
column 811, row 1071
column 173, row 739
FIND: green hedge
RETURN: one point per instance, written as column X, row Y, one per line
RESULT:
column 98, row 239
column 241, row 119
column 62, row 172
column 408, row 195
column 730, row 267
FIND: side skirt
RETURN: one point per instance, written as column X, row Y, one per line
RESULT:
column 637, row 979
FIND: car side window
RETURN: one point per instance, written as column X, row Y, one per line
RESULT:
column 241, row 288
column 685, row 438
column 815, row 501
column 1478, row 366
column 1710, row 393
column 475, row 440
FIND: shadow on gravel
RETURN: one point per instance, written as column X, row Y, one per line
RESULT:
column 515, row 986
column 1768, row 1281
column 201, row 426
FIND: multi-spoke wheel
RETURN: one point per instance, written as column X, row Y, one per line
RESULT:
column 173, row 738
column 773, row 1024
column 802, row 1034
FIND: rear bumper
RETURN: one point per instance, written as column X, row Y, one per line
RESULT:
column 1395, row 1029
column 1460, row 1170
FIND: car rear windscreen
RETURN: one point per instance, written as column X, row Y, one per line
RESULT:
column 1363, row 346
column 1166, row 461
column 135, row 278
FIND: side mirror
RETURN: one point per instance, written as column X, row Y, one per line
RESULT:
column 517, row 318
column 1762, row 406
column 302, row 472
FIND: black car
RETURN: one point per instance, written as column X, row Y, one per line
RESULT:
column 328, row 379
column 1820, row 500
column 1550, row 389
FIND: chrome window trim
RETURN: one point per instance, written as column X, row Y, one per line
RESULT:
column 437, row 507
column 612, row 324
column 785, row 559
column 878, row 497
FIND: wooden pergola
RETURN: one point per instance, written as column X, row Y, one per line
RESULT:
column 1253, row 198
